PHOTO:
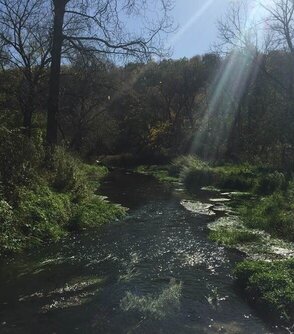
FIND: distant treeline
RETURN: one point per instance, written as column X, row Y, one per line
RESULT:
column 222, row 108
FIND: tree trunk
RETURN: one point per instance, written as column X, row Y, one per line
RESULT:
column 27, row 121
column 54, row 80
column 28, row 110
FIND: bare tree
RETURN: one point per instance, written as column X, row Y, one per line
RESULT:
column 272, row 46
column 281, row 24
column 258, row 37
column 25, row 44
column 101, row 26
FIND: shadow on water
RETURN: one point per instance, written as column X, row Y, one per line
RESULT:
column 153, row 272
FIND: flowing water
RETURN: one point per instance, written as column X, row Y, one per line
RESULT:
column 153, row 272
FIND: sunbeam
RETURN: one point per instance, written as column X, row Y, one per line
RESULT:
column 227, row 90
column 190, row 23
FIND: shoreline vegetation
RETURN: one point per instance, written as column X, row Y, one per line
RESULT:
column 45, row 196
column 252, row 213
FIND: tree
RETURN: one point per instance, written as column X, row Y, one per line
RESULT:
column 265, row 111
column 25, row 45
column 91, row 26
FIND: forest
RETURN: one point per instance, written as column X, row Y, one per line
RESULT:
column 84, row 97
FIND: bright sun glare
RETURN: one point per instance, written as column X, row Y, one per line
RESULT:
column 242, row 71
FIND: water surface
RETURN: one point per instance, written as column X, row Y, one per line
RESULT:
column 153, row 272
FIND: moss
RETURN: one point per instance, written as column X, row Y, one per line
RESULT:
column 270, row 285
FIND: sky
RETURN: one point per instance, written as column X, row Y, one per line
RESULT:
column 197, row 26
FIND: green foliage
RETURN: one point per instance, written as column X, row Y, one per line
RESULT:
column 161, row 173
column 44, row 214
column 69, row 175
column 270, row 182
column 66, row 175
column 273, row 214
column 41, row 196
column 236, row 177
column 232, row 237
column 196, row 173
column 156, row 307
column 10, row 238
column 19, row 159
column 270, row 284
column 93, row 212
column 184, row 163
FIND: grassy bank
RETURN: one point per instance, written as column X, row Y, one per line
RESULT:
column 270, row 286
column 43, row 197
column 263, row 227
column 273, row 204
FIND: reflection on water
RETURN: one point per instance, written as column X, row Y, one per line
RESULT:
column 153, row 272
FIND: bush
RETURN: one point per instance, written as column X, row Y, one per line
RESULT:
column 270, row 284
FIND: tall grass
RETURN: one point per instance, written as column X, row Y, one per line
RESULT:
column 43, row 197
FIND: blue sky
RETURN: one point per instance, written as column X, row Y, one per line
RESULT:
column 197, row 26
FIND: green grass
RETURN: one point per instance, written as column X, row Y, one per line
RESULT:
column 270, row 285
column 59, row 198
column 233, row 237
column 43, row 214
column 94, row 212
column 243, row 177
column 273, row 214
column 159, row 172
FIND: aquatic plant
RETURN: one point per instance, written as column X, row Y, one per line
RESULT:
column 156, row 307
